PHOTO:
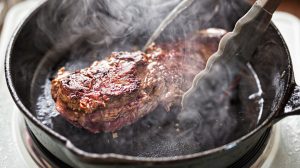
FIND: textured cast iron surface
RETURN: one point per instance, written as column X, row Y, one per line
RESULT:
column 272, row 64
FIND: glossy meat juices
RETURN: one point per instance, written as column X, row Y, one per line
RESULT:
column 121, row 89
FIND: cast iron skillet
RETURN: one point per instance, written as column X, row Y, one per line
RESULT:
column 273, row 66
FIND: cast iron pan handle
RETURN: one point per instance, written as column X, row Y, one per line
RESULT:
column 292, row 107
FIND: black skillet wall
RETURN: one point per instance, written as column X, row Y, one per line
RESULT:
column 270, row 61
column 32, row 44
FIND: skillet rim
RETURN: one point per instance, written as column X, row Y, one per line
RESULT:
column 111, row 157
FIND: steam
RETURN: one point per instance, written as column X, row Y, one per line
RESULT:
column 99, row 23
column 76, row 33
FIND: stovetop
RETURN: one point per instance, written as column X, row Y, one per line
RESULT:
column 284, row 151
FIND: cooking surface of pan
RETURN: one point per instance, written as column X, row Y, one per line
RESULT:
column 160, row 133
column 29, row 69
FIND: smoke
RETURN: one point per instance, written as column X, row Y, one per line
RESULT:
column 68, row 24
column 100, row 23
column 76, row 33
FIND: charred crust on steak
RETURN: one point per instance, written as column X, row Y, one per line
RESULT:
column 122, row 88
column 94, row 87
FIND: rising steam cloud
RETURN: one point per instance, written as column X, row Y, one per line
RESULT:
column 88, row 30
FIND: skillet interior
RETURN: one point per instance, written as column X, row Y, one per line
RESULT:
column 27, row 56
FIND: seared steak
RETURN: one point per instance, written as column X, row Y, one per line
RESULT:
column 124, row 87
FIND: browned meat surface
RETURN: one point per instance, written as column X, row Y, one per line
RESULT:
column 124, row 87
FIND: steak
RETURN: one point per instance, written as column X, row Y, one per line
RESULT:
column 124, row 87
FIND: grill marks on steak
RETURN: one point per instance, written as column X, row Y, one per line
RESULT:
column 124, row 87
column 91, row 88
column 107, row 94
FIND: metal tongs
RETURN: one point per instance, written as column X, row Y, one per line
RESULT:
column 169, row 19
column 235, row 49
